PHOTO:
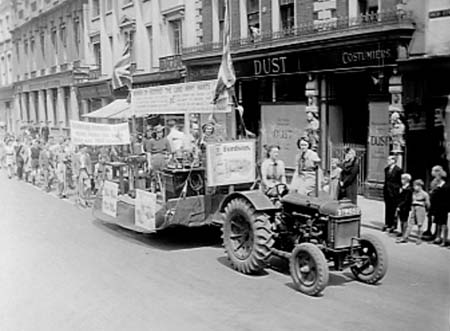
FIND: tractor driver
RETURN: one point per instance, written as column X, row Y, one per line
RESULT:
column 272, row 171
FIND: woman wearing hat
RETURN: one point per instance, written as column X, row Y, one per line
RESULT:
column 304, row 179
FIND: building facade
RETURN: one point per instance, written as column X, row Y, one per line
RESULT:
column 50, row 47
column 157, row 32
column 7, row 118
column 327, row 69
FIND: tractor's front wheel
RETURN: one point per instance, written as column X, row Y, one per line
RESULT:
column 309, row 269
column 372, row 260
column 247, row 236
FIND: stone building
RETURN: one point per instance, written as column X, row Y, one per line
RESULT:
column 157, row 32
column 332, row 70
column 50, row 48
column 7, row 119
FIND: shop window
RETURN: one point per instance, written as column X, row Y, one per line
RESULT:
column 287, row 17
column 177, row 42
column 95, row 8
column 253, row 19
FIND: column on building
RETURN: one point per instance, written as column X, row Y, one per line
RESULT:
column 60, row 110
column 41, row 105
column 50, row 109
column 74, row 111
column 396, row 115
column 17, row 113
column 84, row 108
column 33, row 110
column 25, row 113
column 312, row 112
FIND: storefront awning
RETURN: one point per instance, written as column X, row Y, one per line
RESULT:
column 118, row 109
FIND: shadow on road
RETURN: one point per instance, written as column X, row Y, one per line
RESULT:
column 225, row 262
column 169, row 239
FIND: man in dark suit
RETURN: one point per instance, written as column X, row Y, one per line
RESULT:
column 391, row 191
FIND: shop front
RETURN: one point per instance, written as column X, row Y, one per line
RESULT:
column 338, row 95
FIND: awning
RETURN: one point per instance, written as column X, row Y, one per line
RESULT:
column 117, row 109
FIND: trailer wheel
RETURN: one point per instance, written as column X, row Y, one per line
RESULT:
column 309, row 269
column 247, row 236
column 373, row 262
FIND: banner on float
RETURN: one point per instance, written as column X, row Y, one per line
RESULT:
column 231, row 163
column 191, row 97
column 110, row 193
column 94, row 134
column 145, row 210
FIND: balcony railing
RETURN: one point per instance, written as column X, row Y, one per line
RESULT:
column 172, row 62
column 95, row 73
column 64, row 67
column 53, row 69
column 311, row 29
column 33, row 74
column 42, row 72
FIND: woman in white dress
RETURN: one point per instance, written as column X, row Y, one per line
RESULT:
column 304, row 178
column 10, row 157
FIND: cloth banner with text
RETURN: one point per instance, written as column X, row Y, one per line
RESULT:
column 110, row 193
column 191, row 97
column 231, row 163
column 94, row 134
column 145, row 210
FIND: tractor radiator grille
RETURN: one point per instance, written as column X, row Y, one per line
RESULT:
column 342, row 230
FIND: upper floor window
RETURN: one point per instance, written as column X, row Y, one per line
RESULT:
column 63, row 35
column 126, row 2
column 368, row 7
column 32, row 45
column 76, row 32
column 287, row 15
column 97, row 54
column 253, row 18
column 108, row 5
column 33, row 6
column 42, row 42
column 95, row 8
column 25, row 47
column 54, row 40
column 176, row 36
column 221, row 13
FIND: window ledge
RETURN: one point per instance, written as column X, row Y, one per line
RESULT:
column 96, row 18
column 128, row 5
column 109, row 12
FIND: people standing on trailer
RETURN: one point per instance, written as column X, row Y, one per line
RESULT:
column 272, row 171
column 304, row 178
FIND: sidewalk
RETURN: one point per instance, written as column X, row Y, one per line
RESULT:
column 373, row 215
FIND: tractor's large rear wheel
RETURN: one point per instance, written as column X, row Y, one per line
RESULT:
column 247, row 236
column 309, row 269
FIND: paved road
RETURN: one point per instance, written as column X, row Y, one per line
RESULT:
column 62, row 270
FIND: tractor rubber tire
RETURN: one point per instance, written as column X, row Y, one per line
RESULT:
column 374, row 248
column 247, row 236
column 313, row 279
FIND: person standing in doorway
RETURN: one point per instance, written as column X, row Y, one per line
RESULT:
column 349, row 176
column 391, row 190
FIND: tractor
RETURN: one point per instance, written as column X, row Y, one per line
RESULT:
column 312, row 233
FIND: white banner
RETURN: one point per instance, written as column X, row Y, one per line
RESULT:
column 145, row 210
column 85, row 133
column 231, row 163
column 192, row 97
column 110, row 192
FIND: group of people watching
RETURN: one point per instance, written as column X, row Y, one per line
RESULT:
column 409, row 204
column 340, row 183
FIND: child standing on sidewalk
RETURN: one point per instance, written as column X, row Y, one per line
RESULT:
column 420, row 204
column 404, row 203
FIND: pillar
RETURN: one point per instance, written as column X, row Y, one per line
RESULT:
column 41, row 105
column 84, row 108
column 50, row 109
column 60, row 110
column 25, row 110
column 312, row 111
column 323, row 121
column 31, row 104
column 74, row 110
column 17, row 118
column 276, row 16
column 396, row 115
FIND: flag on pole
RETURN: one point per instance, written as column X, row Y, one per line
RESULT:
column 122, row 69
column 226, row 77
